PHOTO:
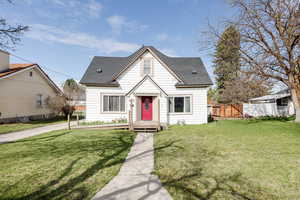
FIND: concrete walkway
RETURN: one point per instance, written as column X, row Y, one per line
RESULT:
column 135, row 181
column 9, row 137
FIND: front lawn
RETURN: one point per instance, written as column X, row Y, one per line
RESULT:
column 62, row 164
column 230, row 160
column 7, row 128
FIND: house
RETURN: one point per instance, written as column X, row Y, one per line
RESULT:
column 149, row 84
column 277, row 104
column 24, row 88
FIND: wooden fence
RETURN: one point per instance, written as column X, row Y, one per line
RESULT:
column 227, row 111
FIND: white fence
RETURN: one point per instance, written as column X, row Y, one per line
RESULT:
column 263, row 109
column 268, row 109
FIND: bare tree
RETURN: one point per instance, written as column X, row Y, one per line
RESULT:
column 10, row 34
column 244, row 88
column 270, row 41
column 60, row 104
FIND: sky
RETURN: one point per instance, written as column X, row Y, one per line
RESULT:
column 64, row 35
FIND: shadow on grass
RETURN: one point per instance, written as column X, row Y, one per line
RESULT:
column 192, row 183
column 206, row 187
column 110, row 150
column 71, row 189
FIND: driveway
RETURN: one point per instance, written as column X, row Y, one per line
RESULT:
column 32, row 132
column 135, row 180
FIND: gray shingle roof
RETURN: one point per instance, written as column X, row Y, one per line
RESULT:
column 112, row 66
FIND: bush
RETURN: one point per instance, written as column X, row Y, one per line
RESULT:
column 274, row 118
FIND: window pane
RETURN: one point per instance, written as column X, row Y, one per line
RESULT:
column 187, row 105
column 147, row 66
column 110, row 104
column 39, row 100
column 179, row 104
column 171, row 104
column 105, row 103
column 116, row 103
column 122, row 102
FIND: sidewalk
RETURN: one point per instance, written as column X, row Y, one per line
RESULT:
column 135, row 180
column 9, row 137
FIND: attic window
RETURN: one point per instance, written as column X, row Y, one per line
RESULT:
column 30, row 74
column 99, row 70
column 147, row 66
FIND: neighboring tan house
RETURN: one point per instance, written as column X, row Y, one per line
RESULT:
column 278, row 104
column 155, row 87
column 23, row 90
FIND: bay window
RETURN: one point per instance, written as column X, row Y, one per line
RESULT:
column 113, row 103
column 181, row 104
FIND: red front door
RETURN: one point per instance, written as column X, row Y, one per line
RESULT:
column 146, row 108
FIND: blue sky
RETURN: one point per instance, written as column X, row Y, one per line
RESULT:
column 65, row 34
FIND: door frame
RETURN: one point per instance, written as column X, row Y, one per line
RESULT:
column 141, row 108
column 155, row 106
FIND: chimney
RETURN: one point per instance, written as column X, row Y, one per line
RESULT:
column 4, row 60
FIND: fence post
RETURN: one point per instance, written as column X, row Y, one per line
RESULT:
column 77, row 118
column 69, row 125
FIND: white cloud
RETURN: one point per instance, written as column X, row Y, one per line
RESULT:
column 47, row 33
column 116, row 22
column 94, row 8
column 91, row 8
column 119, row 23
column 59, row 2
column 162, row 36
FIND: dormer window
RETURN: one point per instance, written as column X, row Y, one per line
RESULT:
column 147, row 66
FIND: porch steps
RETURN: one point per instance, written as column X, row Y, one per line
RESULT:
column 146, row 126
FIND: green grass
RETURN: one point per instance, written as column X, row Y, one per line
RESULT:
column 117, row 121
column 230, row 160
column 62, row 164
column 7, row 128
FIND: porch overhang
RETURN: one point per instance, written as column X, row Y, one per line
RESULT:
column 147, row 77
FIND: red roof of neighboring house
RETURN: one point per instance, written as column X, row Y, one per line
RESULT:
column 13, row 68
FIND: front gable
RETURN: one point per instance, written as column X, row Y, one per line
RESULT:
column 134, row 73
column 146, row 54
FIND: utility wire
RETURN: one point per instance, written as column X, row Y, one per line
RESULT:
column 46, row 68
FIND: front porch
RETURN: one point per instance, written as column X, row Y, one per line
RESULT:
column 146, row 126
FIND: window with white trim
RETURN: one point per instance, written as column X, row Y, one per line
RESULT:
column 113, row 103
column 147, row 66
column 180, row 104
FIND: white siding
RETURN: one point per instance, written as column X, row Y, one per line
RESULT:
column 147, row 86
column 268, row 109
column 263, row 109
column 165, row 80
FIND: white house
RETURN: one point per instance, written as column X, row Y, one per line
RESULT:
column 155, row 87
column 278, row 104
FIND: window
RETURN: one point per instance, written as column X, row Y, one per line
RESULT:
column 283, row 102
column 180, row 104
column 30, row 74
column 113, row 103
column 147, row 64
column 39, row 100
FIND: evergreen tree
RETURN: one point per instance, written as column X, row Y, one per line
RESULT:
column 233, row 86
column 227, row 57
